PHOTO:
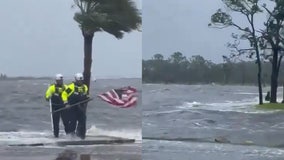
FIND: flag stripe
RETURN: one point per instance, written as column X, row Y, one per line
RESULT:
column 122, row 97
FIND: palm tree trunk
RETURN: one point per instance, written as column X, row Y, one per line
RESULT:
column 88, row 40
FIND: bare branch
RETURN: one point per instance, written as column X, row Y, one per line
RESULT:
column 250, row 19
column 80, row 5
column 267, row 10
column 94, row 5
column 240, row 28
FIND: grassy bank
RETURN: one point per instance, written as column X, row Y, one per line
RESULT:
column 271, row 106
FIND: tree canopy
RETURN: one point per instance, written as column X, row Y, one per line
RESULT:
column 197, row 70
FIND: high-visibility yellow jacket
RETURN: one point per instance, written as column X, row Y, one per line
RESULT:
column 54, row 92
column 74, row 91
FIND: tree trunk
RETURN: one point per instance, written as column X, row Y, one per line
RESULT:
column 259, row 84
column 259, row 76
column 274, row 77
column 255, row 44
column 88, row 39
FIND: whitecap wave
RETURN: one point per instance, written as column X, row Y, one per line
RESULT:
column 123, row 133
column 244, row 106
column 26, row 137
column 46, row 137
column 246, row 93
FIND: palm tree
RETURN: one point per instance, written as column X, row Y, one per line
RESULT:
column 115, row 17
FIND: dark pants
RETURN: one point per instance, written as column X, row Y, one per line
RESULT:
column 77, row 120
column 56, row 119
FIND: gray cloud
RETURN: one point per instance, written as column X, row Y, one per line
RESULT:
column 40, row 38
column 182, row 25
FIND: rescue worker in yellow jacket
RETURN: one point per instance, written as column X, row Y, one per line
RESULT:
column 75, row 93
column 53, row 94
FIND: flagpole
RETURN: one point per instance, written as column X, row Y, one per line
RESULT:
column 84, row 101
column 51, row 114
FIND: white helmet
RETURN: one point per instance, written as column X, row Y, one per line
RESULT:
column 78, row 76
column 58, row 76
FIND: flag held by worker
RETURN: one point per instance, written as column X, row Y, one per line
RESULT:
column 122, row 97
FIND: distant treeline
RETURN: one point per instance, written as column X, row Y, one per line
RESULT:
column 5, row 77
column 197, row 70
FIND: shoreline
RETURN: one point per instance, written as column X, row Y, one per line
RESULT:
column 213, row 83
column 50, row 78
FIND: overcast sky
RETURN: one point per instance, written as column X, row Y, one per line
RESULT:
column 40, row 38
column 182, row 25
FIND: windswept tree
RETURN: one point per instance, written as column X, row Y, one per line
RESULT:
column 269, row 40
column 273, row 42
column 158, row 57
column 179, row 63
column 115, row 17
column 247, row 8
column 177, row 58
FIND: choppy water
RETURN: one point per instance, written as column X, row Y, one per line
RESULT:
column 183, row 122
column 25, row 118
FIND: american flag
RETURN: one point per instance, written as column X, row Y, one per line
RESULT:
column 122, row 97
